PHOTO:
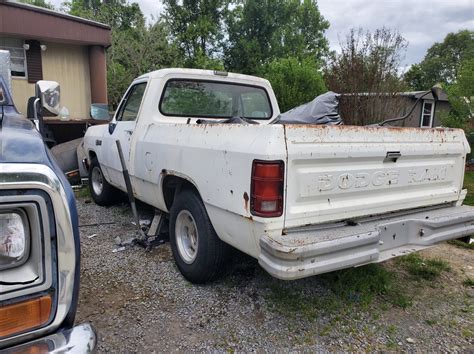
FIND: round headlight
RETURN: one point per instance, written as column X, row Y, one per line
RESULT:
column 13, row 240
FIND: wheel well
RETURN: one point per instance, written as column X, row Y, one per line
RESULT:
column 172, row 185
column 92, row 155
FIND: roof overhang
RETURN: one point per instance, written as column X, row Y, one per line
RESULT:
column 411, row 94
column 418, row 94
column 32, row 22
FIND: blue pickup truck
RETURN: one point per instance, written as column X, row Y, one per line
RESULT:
column 39, row 240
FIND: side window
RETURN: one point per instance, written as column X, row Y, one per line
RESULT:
column 17, row 55
column 128, row 111
column 427, row 114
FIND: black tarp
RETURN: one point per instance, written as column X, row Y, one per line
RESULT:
column 324, row 110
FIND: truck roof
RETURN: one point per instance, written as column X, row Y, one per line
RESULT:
column 203, row 73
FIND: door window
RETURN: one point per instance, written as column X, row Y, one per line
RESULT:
column 128, row 111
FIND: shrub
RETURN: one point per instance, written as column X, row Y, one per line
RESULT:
column 295, row 82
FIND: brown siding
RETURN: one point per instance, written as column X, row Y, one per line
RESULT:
column 69, row 66
column 34, row 64
column 20, row 20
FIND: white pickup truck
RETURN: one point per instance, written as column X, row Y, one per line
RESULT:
column 302, row 199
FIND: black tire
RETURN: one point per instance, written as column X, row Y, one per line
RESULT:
column 105, row 196
column 212, row 253
column 465, row 239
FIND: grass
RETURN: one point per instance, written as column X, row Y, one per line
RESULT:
column 467, row 333
column 423, row 268
column 362, row 284
column 461, row 244
column 347, row 288
column 356, row 287
column 469, row 185
column 469, row 282
column 83, row 192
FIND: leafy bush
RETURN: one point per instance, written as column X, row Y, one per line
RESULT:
column 461, row 98
column 294, row 82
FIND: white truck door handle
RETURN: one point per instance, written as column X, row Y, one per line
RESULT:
column 129, row 131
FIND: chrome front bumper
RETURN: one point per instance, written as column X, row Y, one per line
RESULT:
column 320, row 249
column 80, row 339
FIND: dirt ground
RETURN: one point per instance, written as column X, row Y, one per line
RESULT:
column 139, row 302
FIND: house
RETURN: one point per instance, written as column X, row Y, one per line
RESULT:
column 48, row 45
column 427, row 113
column 370, row 108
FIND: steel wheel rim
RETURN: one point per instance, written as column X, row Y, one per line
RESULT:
column 97, row 181
column 186, row 236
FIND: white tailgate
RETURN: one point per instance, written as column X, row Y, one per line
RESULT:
column 341, row 172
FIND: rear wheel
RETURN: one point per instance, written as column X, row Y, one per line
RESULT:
column 198, row 252
column 101, row 191
column 466, row 239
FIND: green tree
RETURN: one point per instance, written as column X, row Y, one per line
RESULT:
column 260, row 31
column 442, row 61
column 461, row 98
column 136, row 47
column 295, row 82
column 196, row 27
column 136, row 52
column 118, row 14
column 40, row 3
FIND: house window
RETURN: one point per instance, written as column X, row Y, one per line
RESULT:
column 427, row 112
column 17, row 55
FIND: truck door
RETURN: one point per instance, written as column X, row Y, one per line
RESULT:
column 122, row 128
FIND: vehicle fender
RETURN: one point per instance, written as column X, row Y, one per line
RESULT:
column 165, row 173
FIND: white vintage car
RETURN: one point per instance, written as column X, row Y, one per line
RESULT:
column 302, row 199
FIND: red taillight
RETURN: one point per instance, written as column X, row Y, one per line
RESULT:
column 266, row 197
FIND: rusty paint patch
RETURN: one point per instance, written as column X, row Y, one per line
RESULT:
column 246, row 201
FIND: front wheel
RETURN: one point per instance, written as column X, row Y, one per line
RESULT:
column 198, row 252
column 101, row 191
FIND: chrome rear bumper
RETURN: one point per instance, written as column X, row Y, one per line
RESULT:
column 80, row 339
column 320, row 249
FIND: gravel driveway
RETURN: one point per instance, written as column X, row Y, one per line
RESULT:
column 139, row 302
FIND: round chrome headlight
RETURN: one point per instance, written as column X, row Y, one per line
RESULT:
column 14, row 240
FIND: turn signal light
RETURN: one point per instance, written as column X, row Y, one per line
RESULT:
column 24, row 315
column 266, row 197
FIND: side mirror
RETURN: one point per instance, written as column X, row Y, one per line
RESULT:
column 49, row 94
column 112, row 127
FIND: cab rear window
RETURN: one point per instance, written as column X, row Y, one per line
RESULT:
column 211, row 99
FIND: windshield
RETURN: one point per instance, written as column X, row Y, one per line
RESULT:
column 210, row 99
